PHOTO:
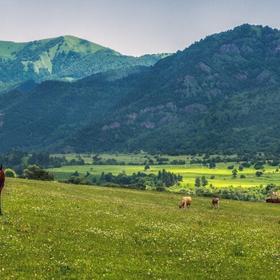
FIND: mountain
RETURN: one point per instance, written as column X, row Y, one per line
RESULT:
column 63, row 58
column 220, row 95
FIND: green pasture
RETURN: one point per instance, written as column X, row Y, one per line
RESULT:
column 51, row 230
column 223, row 176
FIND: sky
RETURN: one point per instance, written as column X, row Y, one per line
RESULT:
column 132, row 27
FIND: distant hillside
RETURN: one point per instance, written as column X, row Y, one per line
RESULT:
column 221, row 94
column 62, row 58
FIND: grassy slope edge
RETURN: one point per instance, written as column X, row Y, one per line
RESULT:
column 58, row 231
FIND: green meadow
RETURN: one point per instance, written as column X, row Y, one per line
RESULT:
column 222, row 175
column 51, row 230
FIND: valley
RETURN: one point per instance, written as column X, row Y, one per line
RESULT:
column 98, row 148
column 219, row 176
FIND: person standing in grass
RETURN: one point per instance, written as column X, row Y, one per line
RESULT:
column 2, row 183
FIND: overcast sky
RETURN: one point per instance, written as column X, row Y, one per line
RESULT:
column 132, row 26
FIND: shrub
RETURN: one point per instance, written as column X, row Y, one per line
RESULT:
column 204, row 181
column 246, row 164
column 234, row 173
column 35, row 172
column 10, row 173
column 258, row 165
column 147, row 167
column 197, row 182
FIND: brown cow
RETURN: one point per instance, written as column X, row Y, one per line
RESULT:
column 185, row 202
column 216, row 202
column 273, row 200
column 274, row 197
column 2, row 183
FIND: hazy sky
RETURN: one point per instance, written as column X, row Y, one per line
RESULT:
column 132, row 26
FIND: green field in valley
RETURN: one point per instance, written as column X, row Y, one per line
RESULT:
column 51, row 230
column 223, row 176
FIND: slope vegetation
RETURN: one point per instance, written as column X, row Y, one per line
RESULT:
column 219, row 95
column 62, row 58
column 51, row 230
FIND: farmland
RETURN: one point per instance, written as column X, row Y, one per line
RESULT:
column 55, row 231
column 220, row 176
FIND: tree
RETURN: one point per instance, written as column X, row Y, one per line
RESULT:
column 197, row 182
column 259, row 173
column 234, row 173
column 204, row 181
column 147, row 166
column 212, row 165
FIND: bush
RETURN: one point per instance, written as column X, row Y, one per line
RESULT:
column 246, row 164
column 35, row 172
column 259, row 165
column 10, row 173
column 146, row 167
column 234, row 173
column 242, row 176
column 204, row 181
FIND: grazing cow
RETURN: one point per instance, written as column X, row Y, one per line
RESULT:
column 216, row 202
column 2, row 182
column 185, row 202
column 275, row 194
column 273, row 200
column 274, row 197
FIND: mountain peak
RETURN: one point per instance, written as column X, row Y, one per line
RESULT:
column 76, row 40
column 68, row 43
column 61, row 58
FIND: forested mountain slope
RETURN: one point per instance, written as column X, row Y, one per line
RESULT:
column 221, row 94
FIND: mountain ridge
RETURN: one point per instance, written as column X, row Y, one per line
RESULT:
column 61, row 58
column 220, row 95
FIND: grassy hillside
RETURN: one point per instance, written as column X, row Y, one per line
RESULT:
column 61, row 58
column 56, row 231
column 8, row 49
